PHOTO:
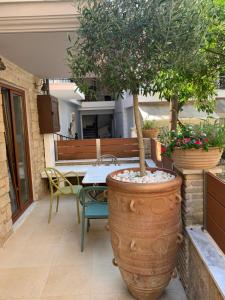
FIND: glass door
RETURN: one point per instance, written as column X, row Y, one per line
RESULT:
column 17, row 150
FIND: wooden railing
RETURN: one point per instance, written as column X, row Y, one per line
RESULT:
column 215, row 209
column 93, row 148
column 160, row 160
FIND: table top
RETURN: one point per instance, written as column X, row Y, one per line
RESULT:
column 83, row 170
column 98, row 174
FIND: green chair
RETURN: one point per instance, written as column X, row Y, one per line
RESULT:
column 93, row 208
column 60, row 185
column 107, row 159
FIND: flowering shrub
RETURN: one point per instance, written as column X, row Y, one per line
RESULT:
column 200, row 136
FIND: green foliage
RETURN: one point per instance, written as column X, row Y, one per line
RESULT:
column 148, row 124
column 198, row 81
column 125, row 43
column 202, row 136
column 215, row 45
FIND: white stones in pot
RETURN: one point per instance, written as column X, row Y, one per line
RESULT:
column 150, row 177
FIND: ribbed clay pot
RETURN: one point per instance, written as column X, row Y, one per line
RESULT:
column 197, row 159
column 144, row 224
column 150, row 133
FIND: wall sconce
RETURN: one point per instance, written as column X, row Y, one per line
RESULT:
column 2, row 66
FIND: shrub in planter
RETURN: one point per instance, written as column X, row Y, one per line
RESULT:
column 149, row 129
column 195, row 147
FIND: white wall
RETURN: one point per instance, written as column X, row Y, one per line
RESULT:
column 65, row 115
column 124, row 118
column 119, row 118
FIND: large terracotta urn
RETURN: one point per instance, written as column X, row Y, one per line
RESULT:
column 144, row 224
column 197, row 159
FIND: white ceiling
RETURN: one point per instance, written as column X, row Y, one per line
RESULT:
column 42, row 54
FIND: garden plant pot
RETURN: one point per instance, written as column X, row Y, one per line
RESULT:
column 150, row 133
column 144, row 224
column 197, row 159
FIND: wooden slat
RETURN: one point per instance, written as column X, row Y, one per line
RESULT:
column 72, row 156
column 117, row 141
column 84, row 149
column 76, row 149
column 216, row 232
column 119, row 147
column 123, row 154
column 87, row 142
column 216, row 188
column 215, row 220
column 167, row 163
column 216, row 212
column 73, row 149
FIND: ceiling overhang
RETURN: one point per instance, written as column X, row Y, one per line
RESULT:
column 38, row 16
column 34, row 35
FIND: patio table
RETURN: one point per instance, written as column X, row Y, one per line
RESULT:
column 83, row 170
column 98, row 174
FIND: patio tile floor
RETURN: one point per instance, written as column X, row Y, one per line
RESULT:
column 42, row 261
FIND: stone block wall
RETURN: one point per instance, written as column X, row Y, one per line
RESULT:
column 192, row 212
column 202, row 286
column 16, row 77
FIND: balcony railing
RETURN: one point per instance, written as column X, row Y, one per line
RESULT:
column 61, row 80
column 221, row 83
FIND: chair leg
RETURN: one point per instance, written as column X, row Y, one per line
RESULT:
column 57, row 204
column 88, row 225
column 82, row 233
column 78, row 210
column 50, row 209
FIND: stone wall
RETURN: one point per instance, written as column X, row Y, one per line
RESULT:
column 14, row 76
column 202, row 286
column 192, row 211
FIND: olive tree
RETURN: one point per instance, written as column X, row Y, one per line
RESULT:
column 126, row 43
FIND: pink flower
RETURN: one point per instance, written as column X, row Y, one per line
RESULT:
column 206, row 140
column 198, row 142
column 187, row 140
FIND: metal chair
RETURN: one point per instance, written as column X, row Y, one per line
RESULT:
column 93, row 208
column 107, row 159
column 60, row 185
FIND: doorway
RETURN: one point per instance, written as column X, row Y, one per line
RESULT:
column 97, row 126
column 17, row 149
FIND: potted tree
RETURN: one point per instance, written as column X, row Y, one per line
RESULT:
column 196, row 147
column 149, row 129
column 124, row 44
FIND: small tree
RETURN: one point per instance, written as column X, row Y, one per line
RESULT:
column 125, row 43
column 198, row 80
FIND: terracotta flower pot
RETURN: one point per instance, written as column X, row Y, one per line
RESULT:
column 144, row 222
column 196, row 158
column 150, row 133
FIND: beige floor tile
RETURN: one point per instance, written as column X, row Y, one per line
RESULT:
column 43, row 261
column 69, row 254
column 107, row 284
column 33, row 255
column 74, row 297
column 22, row 282
column 173, row 295
column 67, row 281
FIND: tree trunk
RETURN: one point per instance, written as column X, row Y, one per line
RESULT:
column 139, row 136
column 174, row 108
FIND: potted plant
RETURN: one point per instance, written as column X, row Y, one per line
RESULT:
column 117, row 44
column 149, row 129
column 195, row 147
